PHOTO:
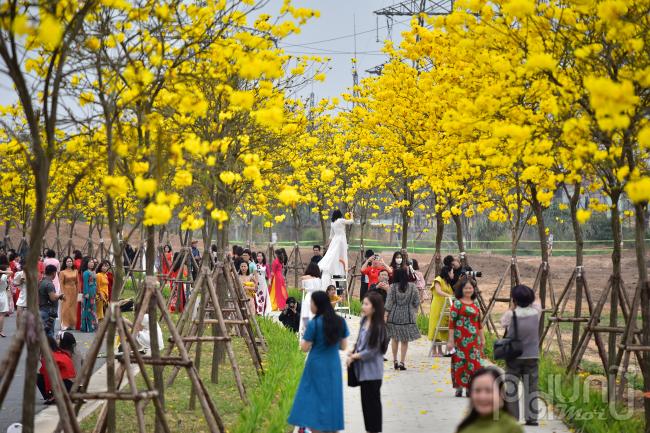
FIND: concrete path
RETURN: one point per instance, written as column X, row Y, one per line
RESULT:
column 419, row 399
column 12, row 406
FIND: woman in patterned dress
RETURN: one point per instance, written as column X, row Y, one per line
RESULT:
column 465, row 335
column 262, row 301
column 88, row 307
column 401, row 311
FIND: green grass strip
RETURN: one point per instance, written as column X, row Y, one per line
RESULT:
column 271, row 402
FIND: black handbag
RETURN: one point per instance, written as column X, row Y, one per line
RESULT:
column 353, row 380
column 509, row 348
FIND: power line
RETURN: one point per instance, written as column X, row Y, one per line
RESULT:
column 345, row 36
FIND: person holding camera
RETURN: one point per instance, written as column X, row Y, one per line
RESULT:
column 372, row 268
column 48, row 299
column 456, row 264
column 524, row 368
column 290, row 316
column 383, row 285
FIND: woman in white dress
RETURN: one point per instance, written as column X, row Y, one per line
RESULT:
column 262, row 301
column 335, row 261
column 310, row 283
column 5, row 293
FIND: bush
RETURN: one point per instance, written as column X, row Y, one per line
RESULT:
column 271, row 403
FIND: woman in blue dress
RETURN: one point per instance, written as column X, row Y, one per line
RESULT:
column 88, row 307
column 318, row 404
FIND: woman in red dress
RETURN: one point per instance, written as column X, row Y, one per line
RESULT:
column 166, row 260
column 465, row 335
column 78, row 258
column 278, row 292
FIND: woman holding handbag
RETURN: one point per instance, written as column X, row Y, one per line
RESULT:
column 522, row 324
column 366, row 362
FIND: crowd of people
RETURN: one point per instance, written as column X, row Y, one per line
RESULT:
column 73, row 294
column 391, row 296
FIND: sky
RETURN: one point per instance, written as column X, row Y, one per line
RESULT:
column 332, row 35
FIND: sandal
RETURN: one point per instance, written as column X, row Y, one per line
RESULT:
column 459, row 392
column 2, row 335
column 396, row 365
column 401, row 366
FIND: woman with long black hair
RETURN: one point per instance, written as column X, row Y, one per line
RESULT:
column 401, row 311
column 488, row 413
column 368, row 359
column 318, row 404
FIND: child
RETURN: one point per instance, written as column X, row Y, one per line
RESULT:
column 331, row 293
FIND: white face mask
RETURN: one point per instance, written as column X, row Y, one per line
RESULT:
column 398, row 260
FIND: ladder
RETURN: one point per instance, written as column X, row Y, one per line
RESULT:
column 446, row 312
column 341, row 283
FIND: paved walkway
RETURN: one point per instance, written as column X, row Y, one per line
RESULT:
column 12, row 406
column 419, row 399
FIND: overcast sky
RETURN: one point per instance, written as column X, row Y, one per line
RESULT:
column 332, row 35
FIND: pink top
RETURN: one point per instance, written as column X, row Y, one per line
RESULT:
column 52, row 261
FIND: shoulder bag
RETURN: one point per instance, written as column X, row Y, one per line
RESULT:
column 509, row 348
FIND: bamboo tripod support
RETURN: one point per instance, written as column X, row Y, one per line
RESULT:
column 30, row 331
column 513, row 271
column 297, row 264
column 151, row 293
column 220, row 317
column 557, row 316
column 630, row 341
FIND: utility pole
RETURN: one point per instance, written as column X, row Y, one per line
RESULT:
column 409, row 8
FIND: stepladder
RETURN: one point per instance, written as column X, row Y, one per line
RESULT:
column 442, row 326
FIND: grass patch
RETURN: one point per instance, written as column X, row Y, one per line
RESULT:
column 271, row 403
column 272, row 394
column 423, row 323
column 583, row 409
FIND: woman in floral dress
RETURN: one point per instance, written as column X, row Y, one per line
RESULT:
column 88, row 306
column 465, row 335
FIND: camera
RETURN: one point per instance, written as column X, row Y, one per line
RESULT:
column 410, row 262
column 376, row 257
column 474, row 274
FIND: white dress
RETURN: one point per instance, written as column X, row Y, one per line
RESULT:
column 310, row 286
column 4, row 294
column 262, row 299
column 335, row 261
column 21, row 283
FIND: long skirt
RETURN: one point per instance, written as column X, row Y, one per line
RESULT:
column 88, row 315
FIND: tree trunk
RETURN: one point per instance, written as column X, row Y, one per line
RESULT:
column 406, row 221
column 459, row 238
column 614, row 302
column 153, row 318
column 574, row 200
column 37, row 232
column 543, row 245
column 513, row 256
column 440, row 231
column 296, row 238
column 323, row 229
column 642, row 266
